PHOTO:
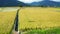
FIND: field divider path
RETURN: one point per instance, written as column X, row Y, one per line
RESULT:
column 16, row 21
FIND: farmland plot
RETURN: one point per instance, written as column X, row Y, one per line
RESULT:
column 7, row 17
column 36, row 17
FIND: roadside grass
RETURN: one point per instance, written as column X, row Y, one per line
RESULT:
column 43, row 31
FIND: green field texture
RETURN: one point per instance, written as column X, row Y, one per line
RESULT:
column 55, row 30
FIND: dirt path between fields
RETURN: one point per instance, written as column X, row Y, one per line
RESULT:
column 16, row 22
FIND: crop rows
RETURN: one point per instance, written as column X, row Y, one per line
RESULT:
column 6, row 22
column 36, row 17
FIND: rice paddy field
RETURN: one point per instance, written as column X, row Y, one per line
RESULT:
column 7, row 17
column 32, row 18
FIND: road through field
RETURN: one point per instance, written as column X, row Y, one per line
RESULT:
column 29, row 17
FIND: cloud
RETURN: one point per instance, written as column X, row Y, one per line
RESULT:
column 29, row 1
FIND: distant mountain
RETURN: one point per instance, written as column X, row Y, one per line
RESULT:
column 45, row 3
column 4, row 3
column 22, row 4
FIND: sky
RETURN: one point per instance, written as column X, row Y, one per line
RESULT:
column 30, row 1
column 57, row 0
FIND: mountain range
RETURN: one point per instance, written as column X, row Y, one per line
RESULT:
column 4, row 3
column 45, row 3
column 19, row 3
